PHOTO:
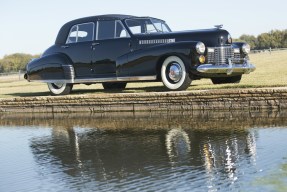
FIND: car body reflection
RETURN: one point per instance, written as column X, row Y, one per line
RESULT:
column 177, row 145
column 116, row 148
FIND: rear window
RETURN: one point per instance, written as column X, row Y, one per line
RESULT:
column 81, row 33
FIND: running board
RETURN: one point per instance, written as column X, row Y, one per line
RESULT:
column 100, row 80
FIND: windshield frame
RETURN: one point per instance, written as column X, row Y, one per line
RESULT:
column 145, row 30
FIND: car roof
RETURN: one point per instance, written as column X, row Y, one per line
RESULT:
column 107, row 17
column 62, row 35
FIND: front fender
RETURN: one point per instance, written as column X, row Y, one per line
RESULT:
column 144, row 62
column 51, row 67
column 237, row 44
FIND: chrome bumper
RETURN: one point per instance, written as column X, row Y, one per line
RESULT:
column 226, row 68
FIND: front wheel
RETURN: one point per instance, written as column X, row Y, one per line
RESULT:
column 223, row 80
column 174, row 75
column 60, row 88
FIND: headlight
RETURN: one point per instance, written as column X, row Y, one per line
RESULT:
column 246, row 48
column 200, row 48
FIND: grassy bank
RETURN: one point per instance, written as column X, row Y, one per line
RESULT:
column 271, row 72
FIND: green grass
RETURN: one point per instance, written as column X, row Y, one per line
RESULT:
column 271, row 72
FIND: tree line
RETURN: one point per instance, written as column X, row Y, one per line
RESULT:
column 273, row 39
column 15, row 62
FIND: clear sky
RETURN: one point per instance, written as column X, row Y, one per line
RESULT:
column 31, row 26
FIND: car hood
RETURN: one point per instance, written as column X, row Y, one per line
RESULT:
column 210, row 37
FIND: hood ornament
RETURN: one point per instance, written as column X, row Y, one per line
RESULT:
column 218, row 26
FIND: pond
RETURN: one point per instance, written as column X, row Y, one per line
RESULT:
column 183, row 151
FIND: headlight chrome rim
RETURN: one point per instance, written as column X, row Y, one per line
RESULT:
column 246, row 48
column 200, row 48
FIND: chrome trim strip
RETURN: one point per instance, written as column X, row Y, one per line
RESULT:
column 97, row 31
column 137, row 78
column 53, row 81
column 226, row 68
column 100, row 80
column 156, row 41
column 95, row 80
column 69, row 72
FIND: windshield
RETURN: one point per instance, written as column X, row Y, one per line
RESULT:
column 147, row 25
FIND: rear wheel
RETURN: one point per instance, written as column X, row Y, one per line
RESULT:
column 174, row 74
column 108, row 86
column 222, row 80
column 60, row 88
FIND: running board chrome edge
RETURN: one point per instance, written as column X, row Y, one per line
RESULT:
column 99, row 80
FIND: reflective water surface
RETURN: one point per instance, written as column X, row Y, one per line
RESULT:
column 202, row 151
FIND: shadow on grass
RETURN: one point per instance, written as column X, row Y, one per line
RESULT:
column 94, row 91
column 126, row 90
column 134, row 90
column 29, row 94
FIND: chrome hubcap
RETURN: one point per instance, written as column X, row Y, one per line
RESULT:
column 175, row 72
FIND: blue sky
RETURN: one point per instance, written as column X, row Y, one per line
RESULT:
column 31, row 26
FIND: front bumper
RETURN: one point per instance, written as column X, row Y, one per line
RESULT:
column 228, row 69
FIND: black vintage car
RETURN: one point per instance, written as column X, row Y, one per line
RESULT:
column 116, row 49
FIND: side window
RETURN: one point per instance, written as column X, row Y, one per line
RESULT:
column 150, row 28
column 120, row 30
column 106, row 30
column 72, row 38
column 136, row 29
column 135, row 26
column 161, row 27
column 81, row 33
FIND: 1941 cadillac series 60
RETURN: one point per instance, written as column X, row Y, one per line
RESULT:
column 116, row 49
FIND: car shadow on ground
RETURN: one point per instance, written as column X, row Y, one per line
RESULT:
column 39, row 94
column 97, row 91
column 126, row 90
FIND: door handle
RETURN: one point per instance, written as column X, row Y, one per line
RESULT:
column 94, row 45
column 65, row 46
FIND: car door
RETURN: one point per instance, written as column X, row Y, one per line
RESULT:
column 79, row 48
column 112, row 41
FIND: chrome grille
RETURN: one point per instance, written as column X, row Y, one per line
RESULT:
column 220, row 55
column 237, row 58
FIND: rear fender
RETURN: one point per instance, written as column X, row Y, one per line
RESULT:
column 54, row 67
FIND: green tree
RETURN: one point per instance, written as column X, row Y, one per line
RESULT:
column 15, row 62
column 264, row 41
column 284, row 41
column 273, row 39
column 250, row 39
column 276, row 38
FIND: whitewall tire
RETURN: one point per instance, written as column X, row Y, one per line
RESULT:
column 60, row 88
column 174, row 74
